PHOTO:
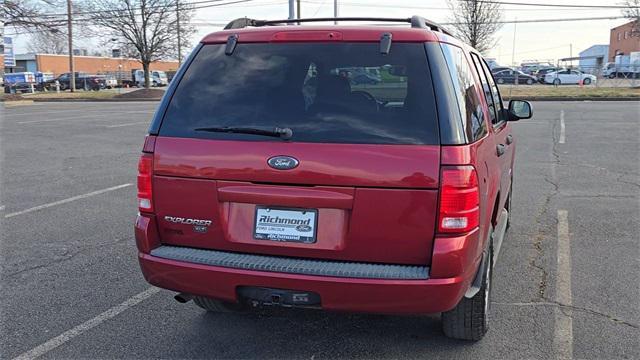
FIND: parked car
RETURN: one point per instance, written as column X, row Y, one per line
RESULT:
column 531, row 68
column 514, row 77
column 83, row 81
column 567, row 77
column 540, row 74
column 110, row 81
column 19, row 82
column 156, row 78
column 302, row 192
column 500, row 68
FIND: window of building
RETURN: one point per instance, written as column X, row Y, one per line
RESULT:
column 619, row 36
column 626, row 34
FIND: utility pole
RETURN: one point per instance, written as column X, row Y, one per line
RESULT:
column 570, row 50
column 335, row 11
column 513, row 48
column 178, row 29
column 292, row 9
column 72, row 82
column 298, row 9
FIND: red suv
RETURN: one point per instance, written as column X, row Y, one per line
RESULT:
column 347, row 168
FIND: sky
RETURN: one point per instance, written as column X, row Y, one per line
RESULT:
column 539, row 41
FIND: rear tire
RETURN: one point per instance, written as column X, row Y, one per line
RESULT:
column 469, row 320
column 213, row 305
column 557, row 82
column 586, row 81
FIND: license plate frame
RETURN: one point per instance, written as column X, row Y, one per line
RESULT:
column 271, row 231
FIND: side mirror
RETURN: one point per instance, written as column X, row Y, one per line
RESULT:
column 519, row 109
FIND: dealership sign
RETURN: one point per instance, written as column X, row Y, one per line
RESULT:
column 9, row 56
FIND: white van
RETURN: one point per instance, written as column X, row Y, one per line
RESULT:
column 156, row 78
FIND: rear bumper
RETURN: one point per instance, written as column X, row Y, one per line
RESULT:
column 340, row 294
column 390, row 296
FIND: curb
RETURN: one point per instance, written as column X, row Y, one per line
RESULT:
column 95, row 100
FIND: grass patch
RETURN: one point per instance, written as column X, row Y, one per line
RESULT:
column 70, row 95
column 541, row 91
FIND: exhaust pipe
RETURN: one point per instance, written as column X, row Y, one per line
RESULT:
column 183, row 298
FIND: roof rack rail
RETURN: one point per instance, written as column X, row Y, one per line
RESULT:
column 415, row 21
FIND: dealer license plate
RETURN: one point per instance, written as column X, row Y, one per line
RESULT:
column 289, row 225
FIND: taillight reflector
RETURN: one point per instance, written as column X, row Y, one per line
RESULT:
column 145, row 172
column 459, row 200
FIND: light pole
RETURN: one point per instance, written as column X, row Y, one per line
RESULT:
column 72, row 81
column 335, row 11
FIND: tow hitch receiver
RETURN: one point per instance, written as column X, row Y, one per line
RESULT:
column 259, row 296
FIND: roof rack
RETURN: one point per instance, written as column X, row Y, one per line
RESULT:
column 415, row 21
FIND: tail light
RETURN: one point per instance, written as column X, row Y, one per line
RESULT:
column 145, row 171
column 459, row 200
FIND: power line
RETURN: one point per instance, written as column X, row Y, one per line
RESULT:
column 222, row 23
column 185, row 6
column 360, row 4
column 555, row 5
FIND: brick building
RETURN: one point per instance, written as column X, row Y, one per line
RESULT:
column 58, row 64
column 622, row 41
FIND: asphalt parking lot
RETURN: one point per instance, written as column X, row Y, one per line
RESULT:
column 566, row 283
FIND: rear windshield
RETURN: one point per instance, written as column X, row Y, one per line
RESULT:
column 328, row 93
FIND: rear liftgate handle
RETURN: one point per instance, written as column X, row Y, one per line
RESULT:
column 500, row 149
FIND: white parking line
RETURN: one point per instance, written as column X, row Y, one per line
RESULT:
column 562, row 136
column 87, row 325
column 127, row 124
column 64, row 201
column 563, row 339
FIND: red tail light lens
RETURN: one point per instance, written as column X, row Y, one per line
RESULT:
column 459, row 200
column 145, row 171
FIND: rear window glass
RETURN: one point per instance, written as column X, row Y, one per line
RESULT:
column 333, row 93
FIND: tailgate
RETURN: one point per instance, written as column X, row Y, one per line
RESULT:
column 372, row 203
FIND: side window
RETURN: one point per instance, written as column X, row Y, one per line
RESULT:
column 486, row 88
column 495, row 92
column 465, row 86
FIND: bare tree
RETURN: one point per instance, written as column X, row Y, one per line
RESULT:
column 27, row 14
column 476, row 22
column 48, row 42
column 632, row 11
column 148, row 26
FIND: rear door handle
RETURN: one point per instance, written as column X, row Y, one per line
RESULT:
column 509, row 139
column 500, row 149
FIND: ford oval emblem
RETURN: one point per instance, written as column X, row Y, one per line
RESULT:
column 283, row 162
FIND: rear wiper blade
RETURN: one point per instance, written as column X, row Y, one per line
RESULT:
column 283, row 133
